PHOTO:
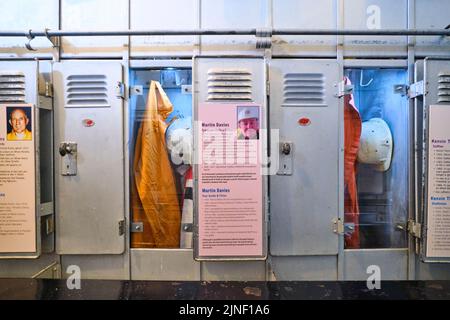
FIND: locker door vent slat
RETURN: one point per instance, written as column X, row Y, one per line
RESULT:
column 87, row 91
column 12, row 87
column 444, row 88
column 304, row 89
column 229, row 84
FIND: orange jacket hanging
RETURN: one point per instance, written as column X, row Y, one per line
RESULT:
column 154, row 194
column 352, row 133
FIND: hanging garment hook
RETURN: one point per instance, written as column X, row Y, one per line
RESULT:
column 53, row 39
column 28, row 44
column 361, row 80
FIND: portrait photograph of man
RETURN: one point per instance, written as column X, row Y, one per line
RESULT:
column 247, row 123
column 19, row 123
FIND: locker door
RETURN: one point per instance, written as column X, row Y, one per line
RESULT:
column 304, row 194
column 19, row 89
column 89, row 158
column 233, row 225
column 435, row 211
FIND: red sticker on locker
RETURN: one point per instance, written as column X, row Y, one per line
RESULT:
column 304, row 121
column 88, row 123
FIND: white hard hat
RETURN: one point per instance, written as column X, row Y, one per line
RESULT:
column 179, row 141
column 376, row 144
column 247, row 113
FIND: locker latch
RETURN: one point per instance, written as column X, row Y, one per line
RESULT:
column 343, row 89
column 68, row 152
column 286, row 154
column 414, row 228
column 120, row 90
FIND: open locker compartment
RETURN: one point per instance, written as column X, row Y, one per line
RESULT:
column 21, row 86
column 230, row 91
column 382, row 171
column 89, row 158
column 383, row 158
column 157, row 261
column 432, row 93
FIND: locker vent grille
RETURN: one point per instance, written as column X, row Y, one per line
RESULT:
column 12, row 87
column 304, row 89
column 87, row 91
column 444, row 88
column 229, row 84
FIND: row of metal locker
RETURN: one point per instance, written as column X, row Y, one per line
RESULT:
column 83, row 202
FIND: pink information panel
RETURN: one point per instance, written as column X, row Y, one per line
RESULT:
column 17, row 179
column 230, row 197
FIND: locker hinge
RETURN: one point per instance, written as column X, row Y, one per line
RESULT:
column 137, row 227
column 267, row 88
column 416, row 89
column 46, row 89
column 343, row 89
column 414, row 228
column 121, row 227
column 120, row 90
column 338, row 226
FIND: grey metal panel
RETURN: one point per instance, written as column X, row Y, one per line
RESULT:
column 432, row 68
column 109, row 267
column 432, row 271
column 30, row 70
column 161, row 264
column 375, row 63
column 25, row 268
column 393, row 263
column 90, row 205
column 233, row 271
column 306, row 14
column 418, row 106
column 88, row 15
column 303, row 205
column 255, row 65
column 307, row 268
column 222, row 14
column 432, row 14
column 169, row 14
column 26, row 14
column 393, row 15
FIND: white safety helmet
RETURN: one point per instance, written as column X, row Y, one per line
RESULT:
column 247, row 113
column 179, row 141
column 376, row 144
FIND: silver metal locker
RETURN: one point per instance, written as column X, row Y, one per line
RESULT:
column 18, row 86
column 253, row 69
column 89, row 157
column 435, row 88
column 30, row 81
column 304, row 194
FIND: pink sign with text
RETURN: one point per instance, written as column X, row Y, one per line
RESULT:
column 229, row 181
column 17, row 179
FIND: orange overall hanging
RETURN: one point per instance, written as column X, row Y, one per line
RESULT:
column 352, row 133
column 154, row 195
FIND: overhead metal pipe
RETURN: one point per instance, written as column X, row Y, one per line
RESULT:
column 193, row 32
